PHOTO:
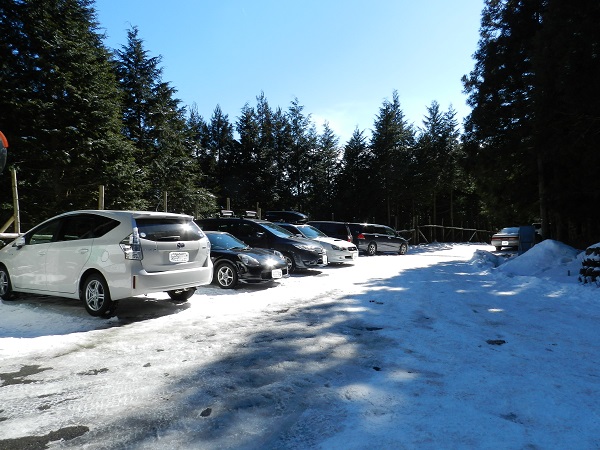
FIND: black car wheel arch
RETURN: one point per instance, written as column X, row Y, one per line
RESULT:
column 291, row 263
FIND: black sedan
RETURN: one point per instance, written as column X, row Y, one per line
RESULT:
column 234, row 261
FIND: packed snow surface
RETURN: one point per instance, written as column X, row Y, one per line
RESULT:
column 450, row 346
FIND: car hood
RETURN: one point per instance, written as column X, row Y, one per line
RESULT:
column 261, row 254
column 335, row 241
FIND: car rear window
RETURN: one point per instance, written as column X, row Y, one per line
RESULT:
column 165, row 229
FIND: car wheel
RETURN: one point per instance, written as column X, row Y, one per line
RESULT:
column 290, row 263
column 6, row 292
column 226, row 275
column 96, row 297
column 181, row 295
column 372, row 249
column 403, row 249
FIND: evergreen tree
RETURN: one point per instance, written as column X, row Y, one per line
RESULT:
column 60, row 109
column 533, row 132
column 354, row 178
column 300, row 161
column 392, row 144
column 156, row 124
column 220, row 145
column 242, row 180
column 323, row 174
column 435, row 163
column 281, row 167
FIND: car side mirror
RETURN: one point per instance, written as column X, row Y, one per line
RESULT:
column 19, row 242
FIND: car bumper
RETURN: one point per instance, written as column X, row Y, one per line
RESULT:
column 261, row 274
column 505, row 242
column 339, row 256
column 310, row 260
column 143, row 282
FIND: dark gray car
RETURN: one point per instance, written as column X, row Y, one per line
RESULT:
column 372, row 238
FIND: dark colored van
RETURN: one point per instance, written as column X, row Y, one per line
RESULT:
column 339, row 230
column 300, row 253
column 373, row 238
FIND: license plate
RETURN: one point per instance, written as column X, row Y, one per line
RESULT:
column 179, row 257
column 324, row 259
column 354, row 255
column 504, row 243
column 276, row 273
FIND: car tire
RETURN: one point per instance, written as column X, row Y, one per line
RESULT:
column 181, row 295
column 226, row 275
column 372, row 249
column 96, row 296
column 6, row 292
column 289, row 259
column 403, row 249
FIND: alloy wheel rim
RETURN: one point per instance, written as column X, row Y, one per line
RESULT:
column 94, row 295
column 225, row 276
column 3, row 283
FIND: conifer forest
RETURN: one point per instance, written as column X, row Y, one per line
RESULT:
column 79, row 115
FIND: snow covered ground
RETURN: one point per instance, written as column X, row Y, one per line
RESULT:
column 450, row 346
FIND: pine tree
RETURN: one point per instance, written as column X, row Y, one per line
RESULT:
column 354, row 178
column 323, row 174
column 220, row 145
column 392, row 144
column 60, row 110
column 303, row 143
column 156, row 124
column 435, row 163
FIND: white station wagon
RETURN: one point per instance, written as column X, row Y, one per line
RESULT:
column 104, row 256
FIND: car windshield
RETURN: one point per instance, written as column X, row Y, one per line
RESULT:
column 225, row 241
column 311, row 232
column 509, row 230
column 277, row 230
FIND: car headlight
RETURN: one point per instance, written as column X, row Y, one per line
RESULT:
column 307, row 248
column 248, row 260
column 278, row 254
column 335, row 247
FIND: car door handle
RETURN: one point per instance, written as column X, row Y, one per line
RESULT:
column 42, row 253
column 83, row 250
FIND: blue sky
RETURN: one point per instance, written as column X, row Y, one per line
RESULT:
column 340, row 58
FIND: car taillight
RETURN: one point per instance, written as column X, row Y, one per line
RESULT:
column 360, row 236
column 131, row 246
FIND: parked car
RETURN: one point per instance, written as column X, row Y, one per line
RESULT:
column 339, row 230
column 338, row 251
column 234, row 261
column 286, row 216
column 506, row 237
column 104, row 256
column 372, row 238
column 300, row 253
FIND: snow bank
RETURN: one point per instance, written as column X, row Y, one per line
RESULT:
column 548, row 258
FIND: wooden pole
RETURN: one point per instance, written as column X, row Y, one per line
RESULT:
column 16, row 213
column 101, row 197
